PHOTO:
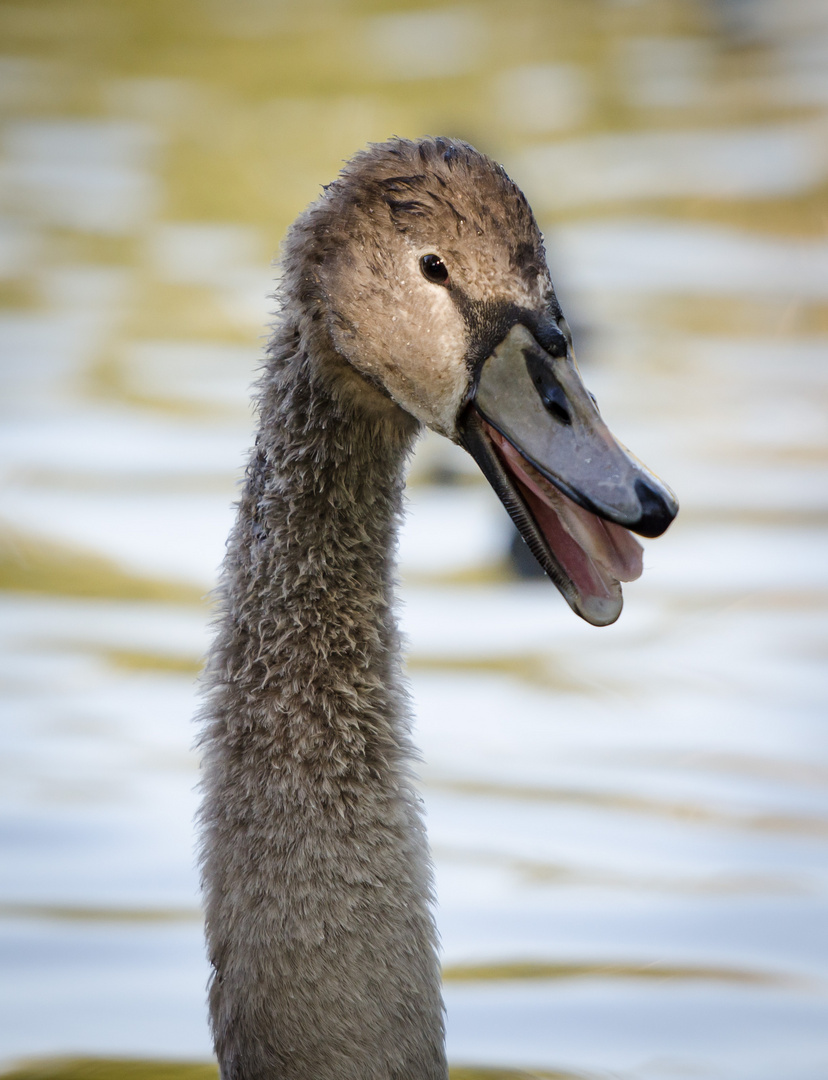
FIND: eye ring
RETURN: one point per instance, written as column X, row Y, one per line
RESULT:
column 434, row 269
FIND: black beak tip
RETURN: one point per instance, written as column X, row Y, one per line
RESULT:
column 658, row 508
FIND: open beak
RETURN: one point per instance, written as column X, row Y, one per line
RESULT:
column 574, row 493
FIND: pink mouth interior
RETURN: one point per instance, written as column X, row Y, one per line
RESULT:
column 595, row 554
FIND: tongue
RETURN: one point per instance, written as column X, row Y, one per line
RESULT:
column 595, row 554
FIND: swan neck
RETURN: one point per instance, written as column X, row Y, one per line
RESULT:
column 316, row 873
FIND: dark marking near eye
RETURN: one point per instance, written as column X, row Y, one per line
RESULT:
column 489, row 321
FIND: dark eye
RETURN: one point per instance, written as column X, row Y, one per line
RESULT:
column 434, row 269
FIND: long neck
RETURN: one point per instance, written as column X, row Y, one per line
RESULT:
column 316, row 872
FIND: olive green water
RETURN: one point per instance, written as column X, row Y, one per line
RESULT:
column 630, row 825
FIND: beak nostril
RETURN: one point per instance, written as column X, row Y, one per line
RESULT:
column 558, row 411
column 555, row 403
column 656, row 513
column 549, row 389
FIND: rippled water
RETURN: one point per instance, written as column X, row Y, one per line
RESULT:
column 630, row 825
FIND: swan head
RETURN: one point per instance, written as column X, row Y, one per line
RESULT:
column 425, row 267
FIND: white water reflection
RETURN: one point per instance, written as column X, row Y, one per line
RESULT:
column 730, row 163
column 665, row 71
column 660, row 256
column 539, row 98
column 88, row 175
column 421, row 44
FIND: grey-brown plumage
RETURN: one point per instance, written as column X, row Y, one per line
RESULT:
column 315, row 866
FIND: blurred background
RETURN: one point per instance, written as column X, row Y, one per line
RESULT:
column 630, row 825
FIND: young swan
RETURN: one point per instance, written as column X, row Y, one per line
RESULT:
column 415, row 292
